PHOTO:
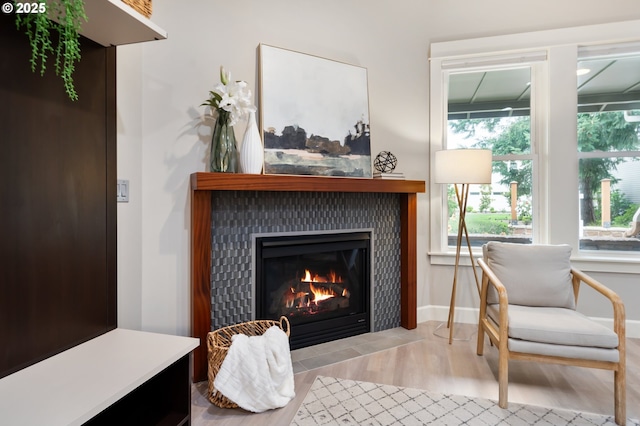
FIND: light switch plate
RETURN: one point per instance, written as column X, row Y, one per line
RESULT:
column 123, row 191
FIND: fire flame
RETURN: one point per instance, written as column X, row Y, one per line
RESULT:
column 321, row 293
column 332, row 278
column 293, row 296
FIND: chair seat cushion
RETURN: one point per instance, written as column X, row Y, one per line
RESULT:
column 559, row 326
column 563, row 351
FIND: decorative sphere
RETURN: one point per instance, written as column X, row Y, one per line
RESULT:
column 385, row 162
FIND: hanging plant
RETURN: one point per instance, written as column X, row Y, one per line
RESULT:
column 63, row 17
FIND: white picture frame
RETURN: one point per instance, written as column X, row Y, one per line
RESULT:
column 314, row 115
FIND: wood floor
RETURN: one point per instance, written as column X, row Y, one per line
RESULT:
column 429, row 362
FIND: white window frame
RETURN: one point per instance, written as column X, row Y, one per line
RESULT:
column 538, row 138
column 603, row 52
column 553, row 118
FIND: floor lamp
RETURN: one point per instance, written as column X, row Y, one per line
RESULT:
column 462, row 167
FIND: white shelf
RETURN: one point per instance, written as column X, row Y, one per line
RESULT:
column 74, row 386
column 114, row 23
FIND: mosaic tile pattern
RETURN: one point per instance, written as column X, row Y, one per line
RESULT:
column 236, row 215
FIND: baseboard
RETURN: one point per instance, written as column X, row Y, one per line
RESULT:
column 470, row 316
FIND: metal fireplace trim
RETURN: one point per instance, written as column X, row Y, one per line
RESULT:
column 337, row 232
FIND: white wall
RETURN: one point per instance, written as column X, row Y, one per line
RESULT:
column 129, row 151
column 162, row 138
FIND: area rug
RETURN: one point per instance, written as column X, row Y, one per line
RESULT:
column 332, row 401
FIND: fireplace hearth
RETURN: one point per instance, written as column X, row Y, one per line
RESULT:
column 320, row 282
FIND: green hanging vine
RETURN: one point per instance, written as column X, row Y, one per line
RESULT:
column 66, row 19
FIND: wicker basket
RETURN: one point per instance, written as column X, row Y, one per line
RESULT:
column 218, row 343
column 142, row 6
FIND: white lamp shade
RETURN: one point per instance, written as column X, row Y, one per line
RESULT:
column 462, row 166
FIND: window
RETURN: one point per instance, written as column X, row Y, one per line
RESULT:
column 608, row 129
column 540, row 139
column 490, row 109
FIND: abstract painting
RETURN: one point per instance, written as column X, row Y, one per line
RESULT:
column 314, row 115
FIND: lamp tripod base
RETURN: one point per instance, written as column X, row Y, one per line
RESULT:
column 462, row 196
column 459, row 333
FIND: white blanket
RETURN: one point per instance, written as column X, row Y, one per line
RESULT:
column 257, row 373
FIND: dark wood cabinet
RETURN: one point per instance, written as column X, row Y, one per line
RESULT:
column 58, row 261
column 163, row 400
column 123, row 377
column 58, row 205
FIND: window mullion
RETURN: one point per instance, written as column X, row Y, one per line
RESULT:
column 608, row 154
column 514, row 157
column 561, row 184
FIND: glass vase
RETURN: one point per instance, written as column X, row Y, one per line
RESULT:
column 224, row 154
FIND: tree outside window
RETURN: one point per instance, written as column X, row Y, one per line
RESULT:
column 489, row 216
column 602, row 132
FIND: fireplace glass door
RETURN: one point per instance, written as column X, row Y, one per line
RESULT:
column 320, row 282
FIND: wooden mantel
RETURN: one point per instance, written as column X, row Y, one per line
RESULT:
column 203, row 183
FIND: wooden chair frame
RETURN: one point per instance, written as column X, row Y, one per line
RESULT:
column 499, row 336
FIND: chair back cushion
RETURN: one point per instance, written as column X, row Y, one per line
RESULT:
column 533, row 274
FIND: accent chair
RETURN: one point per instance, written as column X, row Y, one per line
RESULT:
column 528, row 309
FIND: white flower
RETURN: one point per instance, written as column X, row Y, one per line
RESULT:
column 233, row 97
column 225, row 76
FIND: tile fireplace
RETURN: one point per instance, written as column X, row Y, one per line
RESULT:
column 227, row 209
